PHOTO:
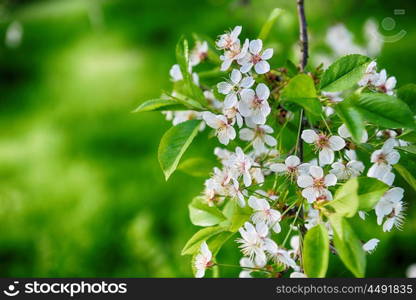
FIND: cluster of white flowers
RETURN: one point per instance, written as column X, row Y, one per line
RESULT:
column 378, row 81
column 242, row 117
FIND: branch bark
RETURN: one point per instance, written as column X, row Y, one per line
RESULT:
column 303, row 32
column 303, row 37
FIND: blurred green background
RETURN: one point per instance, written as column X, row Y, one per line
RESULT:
column 81, row 192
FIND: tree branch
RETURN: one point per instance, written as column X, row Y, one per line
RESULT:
column 303, row 34
column 303, row 37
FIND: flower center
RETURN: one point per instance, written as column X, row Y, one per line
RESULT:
column 322, row 141
column 381, row 158
column 255, row 58
column 319, row 183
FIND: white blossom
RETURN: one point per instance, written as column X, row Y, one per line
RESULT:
column 240, row 165
column 298, row 275
column 411, row 271
column 382, row 160
column 283, row 257
column 345, row 133
column 255, row 242
column 229, row 39
column 223, row 129
column 257, row 58
column 371, row 245
column 315, row 186
column 292, row 166
column 248, row 265
column 259, row 135
column 264, row 214
column 254, row 104
column 203, row 260
column 345, row 171
column 233, row 87
column 370, row 76
column 326, row 145
column 391, row 205
column 199, row 53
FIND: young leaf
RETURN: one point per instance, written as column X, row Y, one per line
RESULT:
column 384, row 110
column 237, row 215
column 409, row 149
column 193, row 244
column 182, row 57
column 407, row 176
column 370, row 191
column 344, row 73
column 203, row 215
column 316, row 251
column 160, row 104
column 407, row 93
column 174, row 143
column 352, row 118
column 196, row 166
column 301, row 91
column 348, row 246
column 265, row 29
column 346, row 201
column 216, row 242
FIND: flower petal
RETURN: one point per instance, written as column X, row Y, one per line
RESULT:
column 304, row 181
column 255, row 46
column 316, row 172
column 262, row 91
column 262, row 67
column 326, row 156
column 336, row 143
column 267, row 54
column 309, row 136
column 292, row 161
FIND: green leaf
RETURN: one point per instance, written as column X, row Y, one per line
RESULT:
column 408, row 135
column 182, row 57
column 407, row 93
column 352, row 118
column 348, row 246
column 346, row 201
column 301, row 91
column 202, row 214
column 316, row 251
column 265, row 29
column 174, row 143
column 409, row 149
column 236, row 215
column 344, row 73
column 384, row 110
column 292, row 69
column 193, row 244
column 196, row 166
column 407, row 176
column 160, row 104
column 370, row 191
column 216, row 242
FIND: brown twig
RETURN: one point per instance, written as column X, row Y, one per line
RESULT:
column 303, row 37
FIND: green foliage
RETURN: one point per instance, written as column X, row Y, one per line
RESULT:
column 174, row 144
column 370, row 191
column 159, row 105
column 348, row 246
column 384, row 110
column 407, row 94
column 316, row 251
column 301, row 91
column 193, row 244
column 352, row 118
column 196, row 166
column 182, row 57
column 203, row 215
column 265, row 29
column 410, row 179
column 346, row 200
column 344, row 73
